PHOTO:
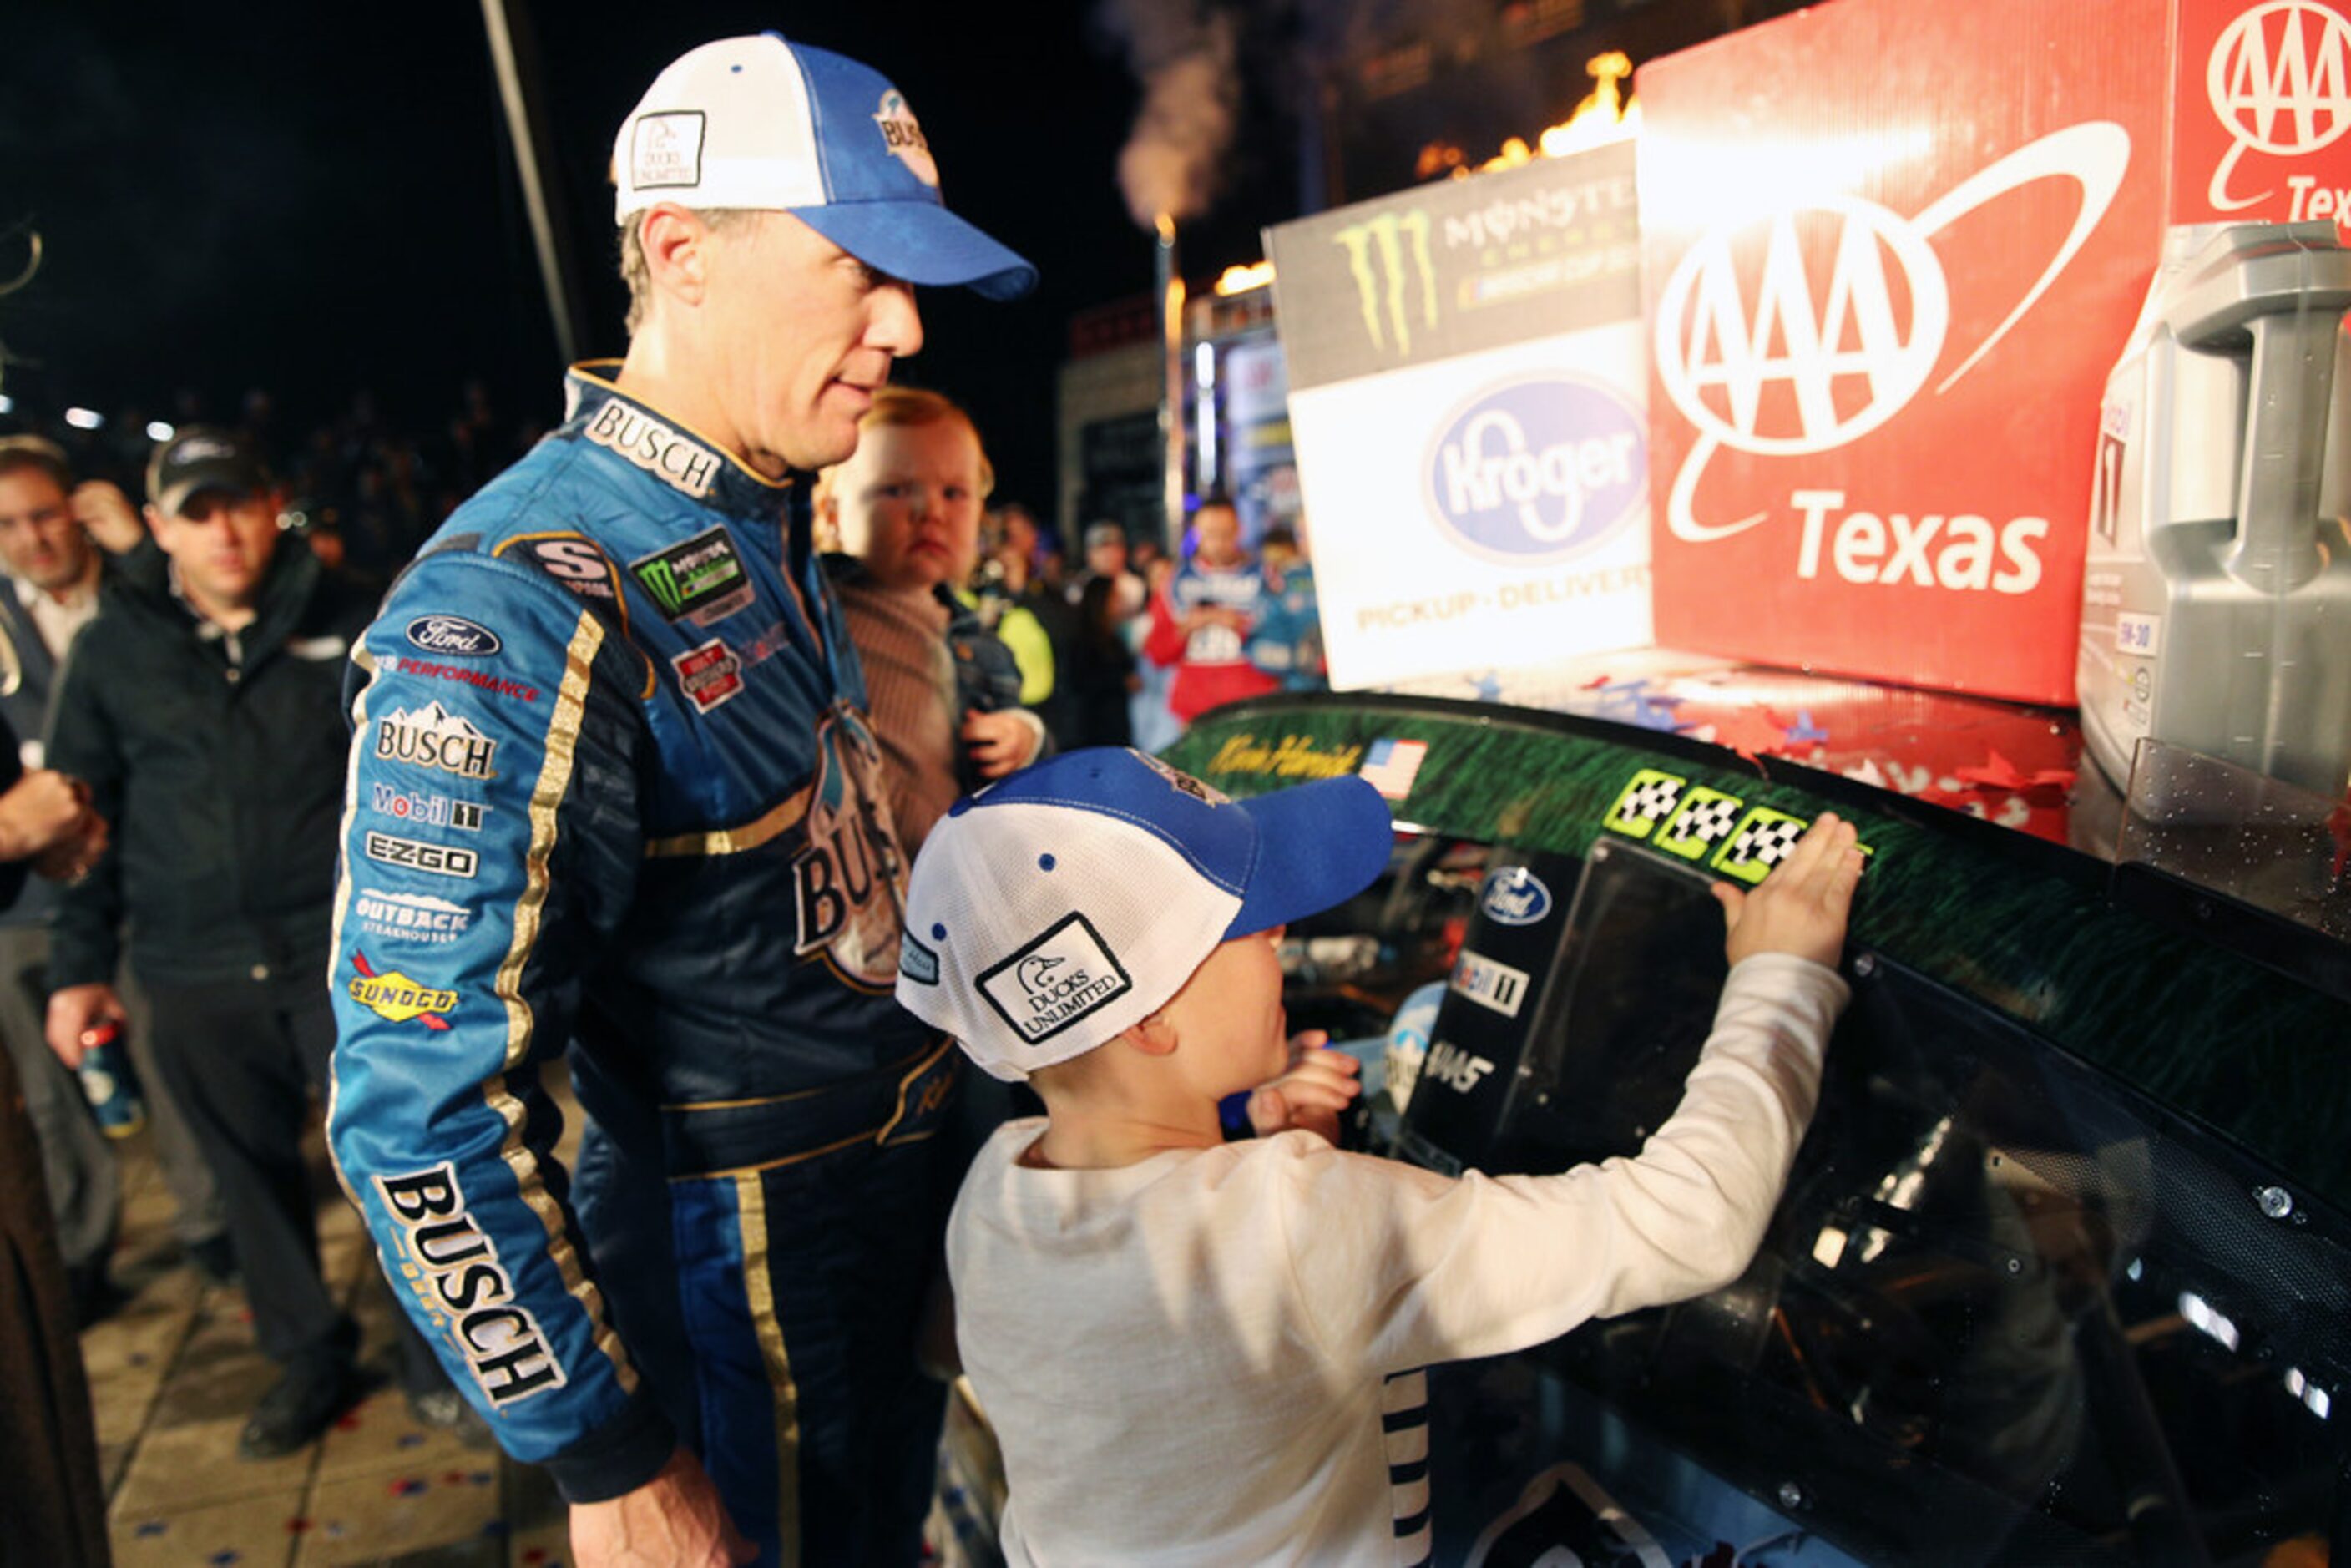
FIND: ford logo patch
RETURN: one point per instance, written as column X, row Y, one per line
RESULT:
column 1539, row 470
column 452, row 634
column 1515, row 896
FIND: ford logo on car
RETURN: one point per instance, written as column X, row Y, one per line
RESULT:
column 452, row 634
column 1515, row 896
column 1539, row 470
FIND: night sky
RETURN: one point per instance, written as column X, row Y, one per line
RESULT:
column 317, row 199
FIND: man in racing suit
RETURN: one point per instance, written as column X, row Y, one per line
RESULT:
column 612, row 789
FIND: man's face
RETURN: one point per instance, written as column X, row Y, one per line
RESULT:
column 222, row 543
column 1220, row 529
column 909, row 503
column 801, row 333
column 39, row 538
column 1107, row 559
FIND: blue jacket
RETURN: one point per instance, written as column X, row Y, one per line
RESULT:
column 610, row 788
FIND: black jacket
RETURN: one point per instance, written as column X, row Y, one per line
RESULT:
column 219, row 762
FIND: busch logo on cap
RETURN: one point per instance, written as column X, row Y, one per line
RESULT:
column 904, row 137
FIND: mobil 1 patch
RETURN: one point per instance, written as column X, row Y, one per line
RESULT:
column 700, row 580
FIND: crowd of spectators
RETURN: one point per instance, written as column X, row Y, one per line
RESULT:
column 366, row 490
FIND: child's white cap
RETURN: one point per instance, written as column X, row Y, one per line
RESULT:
column 1071, row 900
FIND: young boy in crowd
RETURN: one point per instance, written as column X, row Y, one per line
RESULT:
column 1182, row 1343
column 903, row 515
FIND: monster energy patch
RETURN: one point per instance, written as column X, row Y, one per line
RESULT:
column 700, row 581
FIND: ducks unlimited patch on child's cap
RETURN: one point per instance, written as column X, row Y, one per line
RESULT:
column 1071, row 900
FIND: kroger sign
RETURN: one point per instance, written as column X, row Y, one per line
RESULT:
column 1539, row 470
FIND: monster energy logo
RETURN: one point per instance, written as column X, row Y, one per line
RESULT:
column 700, row 580
column 1384, row 269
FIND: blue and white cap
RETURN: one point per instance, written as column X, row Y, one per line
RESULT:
column 1071, row 900
column 761, row 124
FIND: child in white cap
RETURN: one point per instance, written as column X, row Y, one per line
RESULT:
column 1186, row 1347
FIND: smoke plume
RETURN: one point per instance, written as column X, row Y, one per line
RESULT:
column 1183, row 53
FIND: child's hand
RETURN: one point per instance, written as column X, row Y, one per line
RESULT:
column 1319, row 1085
column 1000, row 743
column 1801, row 907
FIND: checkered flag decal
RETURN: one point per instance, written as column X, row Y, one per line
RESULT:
column 1706, row 819
column 1648, row 800
column 1762, row 841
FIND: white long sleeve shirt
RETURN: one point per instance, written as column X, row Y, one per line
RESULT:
column 1184, row 1358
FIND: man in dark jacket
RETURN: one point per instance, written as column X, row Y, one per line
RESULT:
column 204, row 709
column 54, row 569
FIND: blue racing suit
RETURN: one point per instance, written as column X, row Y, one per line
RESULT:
column 610, row 791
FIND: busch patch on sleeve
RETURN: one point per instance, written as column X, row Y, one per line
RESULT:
column 448, row 1261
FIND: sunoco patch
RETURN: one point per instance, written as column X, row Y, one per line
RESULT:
column 917, row 962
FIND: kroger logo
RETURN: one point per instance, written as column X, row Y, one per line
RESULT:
column 452, row 634
column 2280, row 80
column 1515, row 896
column 1806, row 330
column 1539, row 470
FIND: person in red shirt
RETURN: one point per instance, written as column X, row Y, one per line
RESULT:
column 1201, row 624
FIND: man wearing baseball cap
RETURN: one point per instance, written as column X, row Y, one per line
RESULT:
column 201, row 704
column 614, row 796
column 1194, row 1350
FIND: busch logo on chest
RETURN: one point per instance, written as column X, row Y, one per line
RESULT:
column 846, row 881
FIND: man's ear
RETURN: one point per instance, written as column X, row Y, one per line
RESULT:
column 676, row 246
column 155, row 515
column 1154, row 1036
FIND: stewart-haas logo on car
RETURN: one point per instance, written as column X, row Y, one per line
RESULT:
column 849, row 885
column 448, row 1259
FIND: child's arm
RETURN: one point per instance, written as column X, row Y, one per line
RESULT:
column 1399, row 1266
